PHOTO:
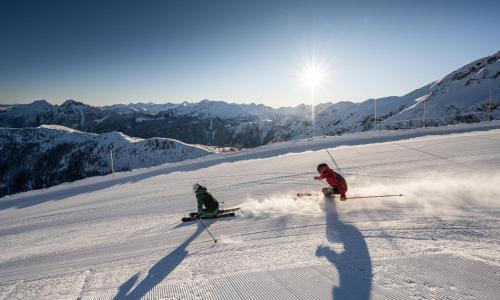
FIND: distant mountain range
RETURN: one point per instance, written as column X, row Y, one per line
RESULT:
column 461, row 96
column 34, row 158
column 59, row 151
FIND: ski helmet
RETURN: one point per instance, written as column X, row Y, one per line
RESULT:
column 196, row 186
column 321, row 166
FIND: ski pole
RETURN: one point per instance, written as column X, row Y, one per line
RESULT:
column 215, row 241
column 378, row 196
column 334, row 162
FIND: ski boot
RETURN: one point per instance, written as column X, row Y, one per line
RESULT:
column 194, row 215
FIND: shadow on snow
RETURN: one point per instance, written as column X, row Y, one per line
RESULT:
column 354, row 264
column 158, row 272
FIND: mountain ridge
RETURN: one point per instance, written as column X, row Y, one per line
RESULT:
column 44, row 156
column 460, row 96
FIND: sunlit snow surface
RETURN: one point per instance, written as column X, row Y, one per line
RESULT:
column 121, row 237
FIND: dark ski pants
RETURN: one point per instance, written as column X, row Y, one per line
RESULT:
column 206, row 213
column 330, row 191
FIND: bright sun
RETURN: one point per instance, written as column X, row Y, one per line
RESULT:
column 312, row 75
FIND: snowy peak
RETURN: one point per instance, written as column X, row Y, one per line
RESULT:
column 204, row 108
column 40, row 105
column 487, row 68
column 37, row 106
column 473, row 81
column 464, row 95
column 219, row 109
column 231, row 110
column 70, row 102
column 71, row 113
column 147, row 108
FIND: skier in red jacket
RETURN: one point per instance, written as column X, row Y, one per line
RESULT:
column 334, row 179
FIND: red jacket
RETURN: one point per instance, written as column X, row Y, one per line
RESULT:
column 335, row 180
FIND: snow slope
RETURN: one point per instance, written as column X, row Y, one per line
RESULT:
column 120, row 237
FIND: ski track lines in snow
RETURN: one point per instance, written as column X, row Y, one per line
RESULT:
column 125, row 241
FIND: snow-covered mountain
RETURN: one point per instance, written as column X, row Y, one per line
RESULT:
column 204, row 108
column 71, row 113
column 461, row 96
column 40, row 157
column 150, row 107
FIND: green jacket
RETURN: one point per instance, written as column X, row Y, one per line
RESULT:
column 207, row 201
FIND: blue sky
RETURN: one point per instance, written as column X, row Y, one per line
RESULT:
column 104, row 52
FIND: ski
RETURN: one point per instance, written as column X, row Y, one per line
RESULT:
column 375, row 196
column 229, row 210
column 306, row 195
column 223, row 213
column 309, row 195
column 219, row 215
column 302, row 195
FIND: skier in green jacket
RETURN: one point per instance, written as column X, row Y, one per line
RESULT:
column 208, row 207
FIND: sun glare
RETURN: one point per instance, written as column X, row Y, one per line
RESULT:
column 312, row 75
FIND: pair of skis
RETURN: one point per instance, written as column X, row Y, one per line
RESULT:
column 229, row 212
